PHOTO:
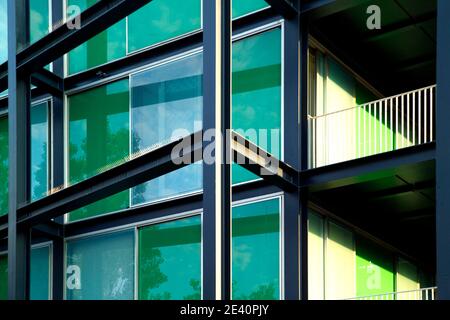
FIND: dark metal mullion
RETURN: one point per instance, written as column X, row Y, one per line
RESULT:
column 56, row 123
column 19, row 240
column 443, row 151
column 216, row 175
column 292, row 157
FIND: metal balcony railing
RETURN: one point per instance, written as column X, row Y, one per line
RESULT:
column 379, row 126
column 419, row 294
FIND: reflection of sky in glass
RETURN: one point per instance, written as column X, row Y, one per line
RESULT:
column 165, row 100
column 39, row 141
column 3, row 32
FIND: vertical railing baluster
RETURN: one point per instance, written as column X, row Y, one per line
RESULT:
column 414, row 118
column 426, row 117
column 386, row 132
column 419, row 128
column 407, row 120
column 432, row 90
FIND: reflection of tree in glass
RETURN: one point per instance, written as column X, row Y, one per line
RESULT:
column 262, row 292
column 3, row 167
column 151, row 275
column 138, row 193
column 196, row 295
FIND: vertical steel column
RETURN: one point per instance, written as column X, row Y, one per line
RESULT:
column 57, row 167
column 443, row 151
column 292, row 157
column 19, row 158
column 303, row 137
column 216, row 175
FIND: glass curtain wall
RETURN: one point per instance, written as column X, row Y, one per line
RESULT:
column 165, row 101
column 153, row 24
column 345, row 265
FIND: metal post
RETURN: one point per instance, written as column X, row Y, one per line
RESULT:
column 443, row 151
column 18, row 122
column 216, row 175
column 292, row 157
column 303, row 150
column 57, row 154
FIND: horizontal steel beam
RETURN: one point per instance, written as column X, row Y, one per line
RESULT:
column 285, row 8
column 148, row 166
column 67, row 36
column 365, row 169
column 154, row 54
column 318, row 9
column 263, row 164
column 48, row 82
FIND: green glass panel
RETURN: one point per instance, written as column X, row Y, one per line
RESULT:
column 257, row 94
column 101, row 267
column 3, row 166
column 167, row 101
column 104, row 47
column 39, row 154
column 3, row 277
column 162, row 20
column 256, row 251
column 3, row 31
column 39, row 19
column 374, row 269
column 170, row 260
column 243, row 7
column 98, row 137
column 40, row 273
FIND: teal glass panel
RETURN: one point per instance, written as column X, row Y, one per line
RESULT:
column 101, row 267
column 3, row 31
column 4, row 172
column 39, row 153
column 3, row 277
column 98, row 130
column 162, row 20
column 166, row 103
column 256, row 92
column 256, row 251
column 243, row 7
column 40, row 273
column 106, row 46
column 170, row 260
column 39, row 19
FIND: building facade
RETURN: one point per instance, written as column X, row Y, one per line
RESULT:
column 337, row 188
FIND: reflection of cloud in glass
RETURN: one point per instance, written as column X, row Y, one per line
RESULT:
column 3, row 32
column 241, row 256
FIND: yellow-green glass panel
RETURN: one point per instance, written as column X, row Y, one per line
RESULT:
column 98, row 128
column 374, row 269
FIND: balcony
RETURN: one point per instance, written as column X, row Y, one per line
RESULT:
column 384, row 125
column 420, row 294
